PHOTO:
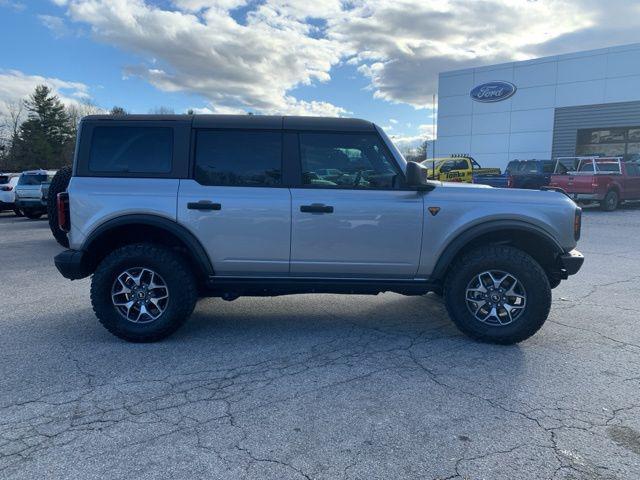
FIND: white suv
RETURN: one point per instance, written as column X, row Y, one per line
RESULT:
column 8, row 182
column 162, row 210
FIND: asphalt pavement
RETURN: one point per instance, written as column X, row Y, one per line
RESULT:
column 321, row 386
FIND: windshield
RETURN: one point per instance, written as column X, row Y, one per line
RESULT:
column 394, row 150
column 32, row 179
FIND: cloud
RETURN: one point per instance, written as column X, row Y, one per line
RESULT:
column 17, row 6
column 56, row 24
column 16, row 86
column 250, row 55
column 232, row 65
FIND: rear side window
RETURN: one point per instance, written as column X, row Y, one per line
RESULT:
column 238, row 158
column 131, row 150
column 4, row 179
column 34, row 179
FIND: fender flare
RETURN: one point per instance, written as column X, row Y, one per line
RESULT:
column 193, row 245
column 455, row 246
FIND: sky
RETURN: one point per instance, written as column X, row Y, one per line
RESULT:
column 371, row 59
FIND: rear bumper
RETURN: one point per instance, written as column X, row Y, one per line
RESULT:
column 72, row 264
column 587, row 197
column 31, row 203
column 571, row 262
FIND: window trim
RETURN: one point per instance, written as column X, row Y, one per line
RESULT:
column 194, row 147
column 97, row 172
column 180, row 154
column 298, row 165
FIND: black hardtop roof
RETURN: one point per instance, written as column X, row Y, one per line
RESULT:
column 271, row 122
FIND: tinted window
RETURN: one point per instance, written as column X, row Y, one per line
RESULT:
column 131, row 150
column 36, row 179
column 349, row 160
column 547, row 167
column 4, row 179
column 239, row 158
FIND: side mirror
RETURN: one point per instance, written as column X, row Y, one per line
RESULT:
column 416, row 176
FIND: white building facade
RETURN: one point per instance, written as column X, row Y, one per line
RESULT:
column 585, row 103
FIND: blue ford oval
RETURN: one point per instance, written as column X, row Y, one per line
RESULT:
column 493, row 92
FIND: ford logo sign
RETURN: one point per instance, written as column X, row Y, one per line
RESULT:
column 493, row 92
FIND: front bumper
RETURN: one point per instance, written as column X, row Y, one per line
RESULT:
column 72, row 264
column 570, row 263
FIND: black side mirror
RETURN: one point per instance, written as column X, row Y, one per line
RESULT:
column 416, row 176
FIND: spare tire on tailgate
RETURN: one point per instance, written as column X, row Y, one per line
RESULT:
column 59, row 184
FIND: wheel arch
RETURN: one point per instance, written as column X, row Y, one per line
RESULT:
column 530, row 238
column 135, row 228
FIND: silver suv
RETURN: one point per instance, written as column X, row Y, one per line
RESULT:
column 162, row 210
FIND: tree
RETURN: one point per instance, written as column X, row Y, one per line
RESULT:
column 162, row 110
column 9, row 129
column 117, row 111
column 78, row 111
column 46, row 138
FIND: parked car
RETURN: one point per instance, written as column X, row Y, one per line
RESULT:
column 531, row 174
column 8, row 182
column 527, row 174
column 458, row 168
column 606, row 180
column 159, row 221
column 31, row 192
column 497, row 180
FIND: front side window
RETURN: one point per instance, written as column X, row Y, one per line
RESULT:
column 238, row 158
column 356, row 160
column 131, row 150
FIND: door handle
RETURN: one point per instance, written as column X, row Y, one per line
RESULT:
column 316, row 208
column 203, row 205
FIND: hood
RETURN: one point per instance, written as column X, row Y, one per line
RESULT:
column 484, row 193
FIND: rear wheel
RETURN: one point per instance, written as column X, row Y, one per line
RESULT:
column 498, row 294
column 610, row 201
column 32, row 214
column 143, row 292
column 58, row 185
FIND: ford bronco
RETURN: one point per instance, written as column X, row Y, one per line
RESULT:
column 162, row 210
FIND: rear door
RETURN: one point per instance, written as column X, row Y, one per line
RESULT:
column 363, row 225
column 236, row 203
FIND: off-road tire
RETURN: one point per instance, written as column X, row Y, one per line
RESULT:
column 33, row 214
column 170, row 265
column 610, row 201
column 59, row 184
column 511, row 260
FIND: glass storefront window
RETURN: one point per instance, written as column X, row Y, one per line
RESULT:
column 609, row 142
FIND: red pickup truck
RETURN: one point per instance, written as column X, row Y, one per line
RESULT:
column 606, row 180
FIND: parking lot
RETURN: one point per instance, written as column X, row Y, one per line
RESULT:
column 321, row 386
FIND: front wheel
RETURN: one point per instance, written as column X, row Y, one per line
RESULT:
column 143, row 292
column 498, row 294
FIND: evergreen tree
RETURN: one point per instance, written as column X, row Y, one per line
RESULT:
column 45, row 139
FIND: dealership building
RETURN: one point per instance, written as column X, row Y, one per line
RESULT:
column 584, row 103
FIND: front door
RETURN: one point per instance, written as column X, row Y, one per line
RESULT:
column 236, row 203
column 357, row 223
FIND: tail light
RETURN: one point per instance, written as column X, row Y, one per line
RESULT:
column 64, row 221
column 6, row 188
column 577, row 224
column 509, row 181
